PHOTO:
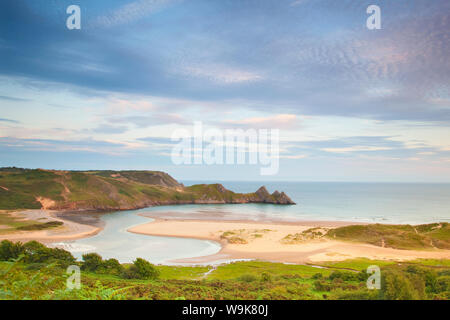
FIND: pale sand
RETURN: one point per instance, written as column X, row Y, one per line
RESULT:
column 268, row 247
column 70, row 230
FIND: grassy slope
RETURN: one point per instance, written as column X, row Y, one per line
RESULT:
column 427, row 236
column 100, row 189
column 240, row 280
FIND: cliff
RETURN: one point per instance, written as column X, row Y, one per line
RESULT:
column 113, row 190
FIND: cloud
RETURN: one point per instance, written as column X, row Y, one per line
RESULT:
column 220, row 73
column 8, row 120
column 297, row 3
column 108, row 129
column 8, row 98
column 86, row 145
column 355, row 149
column 284, row 121
column 130, row 12
column 152, row 120
column 317, row 59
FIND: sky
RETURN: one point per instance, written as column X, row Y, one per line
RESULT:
column 351, row 104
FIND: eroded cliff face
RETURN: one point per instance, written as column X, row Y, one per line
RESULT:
column 113, row 190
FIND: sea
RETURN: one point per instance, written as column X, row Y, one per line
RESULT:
column 387, row 203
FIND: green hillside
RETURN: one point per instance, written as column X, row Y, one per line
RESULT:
column 425, row 236
column 109, row 190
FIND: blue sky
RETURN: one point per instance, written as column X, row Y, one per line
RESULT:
column 351, row 104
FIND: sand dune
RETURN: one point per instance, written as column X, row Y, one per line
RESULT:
column 264, row 241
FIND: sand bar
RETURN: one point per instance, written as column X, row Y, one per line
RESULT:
column 264, row 241
column 70, row 230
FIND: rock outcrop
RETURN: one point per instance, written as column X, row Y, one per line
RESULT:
column 263, row 196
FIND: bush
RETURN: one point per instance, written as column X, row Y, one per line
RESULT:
column 36, row 252
column 398, row 286
column 317, row 276
column 10, row 250
column 320, row 285
column 247, row 278
column 112, row 266
column 266, row 277
column 92, row 262
column 141, row 269
column 343, row 275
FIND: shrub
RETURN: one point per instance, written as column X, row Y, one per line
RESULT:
column 112, row 266
column 141, row 269
column 247, row 278
column 36, row 252
column 320, row 285
column 343, row 275
column 92, row 262
column 10, row 250
column 397, row 286
column 266, row 277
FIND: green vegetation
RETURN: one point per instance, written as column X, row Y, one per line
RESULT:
column 33, row 271
column 41, row 226
column 310, row 234
column 427, row 236
column 12, row 223
column 243, row 236
column 105, row 190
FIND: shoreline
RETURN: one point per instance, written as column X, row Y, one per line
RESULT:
column 70, row 230
column 269, row 246
column 263, row 238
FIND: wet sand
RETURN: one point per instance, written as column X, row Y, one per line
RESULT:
column 75, row 226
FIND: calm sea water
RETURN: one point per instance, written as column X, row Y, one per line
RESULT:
column 360, row 202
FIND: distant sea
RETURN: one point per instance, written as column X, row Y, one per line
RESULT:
column 411, row 203
column 316, row 201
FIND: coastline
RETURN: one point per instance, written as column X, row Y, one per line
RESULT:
column 263, row 239
column 269, row 245
column 70, row 230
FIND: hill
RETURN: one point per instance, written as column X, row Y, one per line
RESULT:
column 425, row 236
column 112, row 190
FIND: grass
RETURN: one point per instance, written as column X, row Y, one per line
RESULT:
column 256, row 268
column 41, row 226
column 182, row 273
column 425, row 279
column 13, row 223
column 355, row 264
column 102, row 190
column 429, row 236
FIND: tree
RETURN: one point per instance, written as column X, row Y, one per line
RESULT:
column 10, row 250
column 112, row 266
column 92, row 262
column 144, row 269
column 397, row 286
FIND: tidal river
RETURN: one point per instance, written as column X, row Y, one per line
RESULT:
column 114, row 241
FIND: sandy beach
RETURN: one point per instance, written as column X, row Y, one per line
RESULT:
column 267, row 241
column 70, row 230
column 239, row 239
